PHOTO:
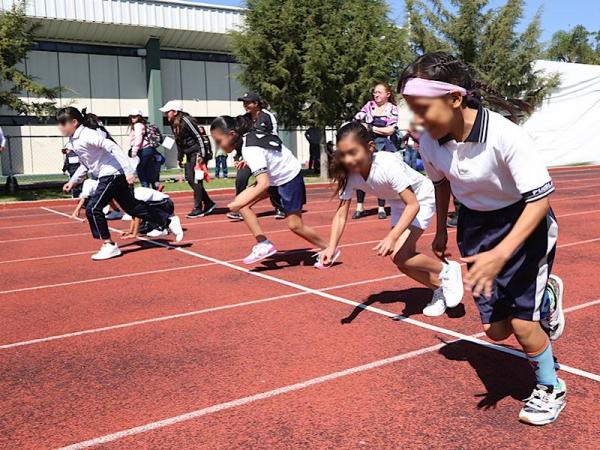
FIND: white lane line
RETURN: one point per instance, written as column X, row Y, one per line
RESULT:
column 360, row 305
column 60, row 213
column 250, row 399
column 280, row 391
column 185, row 314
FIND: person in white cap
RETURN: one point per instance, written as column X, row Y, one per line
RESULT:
column 148, row 169
column 193, row 143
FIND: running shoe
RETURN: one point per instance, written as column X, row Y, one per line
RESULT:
column 452, row 284
column 320, row 265
column 359, row 214
column 260, row 251
column 195, row 213
column 107, row 251
column 382, row 215
column 544, row 404
column 437, row 306
column 175, row 228
column 208, row 209
column 156, row 233
column 553, row 321
column 114, row 215
column 279, row 214
column 452, row 221
column 236, row 216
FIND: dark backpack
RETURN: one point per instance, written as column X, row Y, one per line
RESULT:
column 153, row 135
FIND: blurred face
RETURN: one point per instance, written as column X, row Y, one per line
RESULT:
column 251, row 107
column 134, row 119
column 67, row 127
column 224, row 140
column 354, row 156
column 436, row 115
column 381, row 95
column 170, row 115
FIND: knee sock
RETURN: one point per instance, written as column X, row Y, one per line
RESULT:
column 542, row 362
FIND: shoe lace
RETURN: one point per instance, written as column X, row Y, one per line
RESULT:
column 539, row 398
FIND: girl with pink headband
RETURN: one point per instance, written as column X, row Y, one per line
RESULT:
column 506, row 232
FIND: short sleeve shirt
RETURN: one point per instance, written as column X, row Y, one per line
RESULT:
column 281, row 165
column 497, row 165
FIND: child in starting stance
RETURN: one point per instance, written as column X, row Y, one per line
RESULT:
column 277, row 171
column 411, row 196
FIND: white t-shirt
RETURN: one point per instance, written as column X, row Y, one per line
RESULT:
column 388, row 177
column 281, row 166
column 88, row 188
column 148, row 195
column 496, row 166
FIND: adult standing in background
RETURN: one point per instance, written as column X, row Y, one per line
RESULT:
column 262, row 120
column 380, row 117
column 411, row 139
column 2, row 141
column 192, row 142
column 148, row 169
column 313, row 136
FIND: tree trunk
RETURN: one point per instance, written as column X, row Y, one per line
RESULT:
column 324, row 158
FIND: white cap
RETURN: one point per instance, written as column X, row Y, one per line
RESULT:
column 136, row 112
column 88, row 188
column 172, row 105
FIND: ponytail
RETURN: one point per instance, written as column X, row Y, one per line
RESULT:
column 95, row 123
column 240, row 125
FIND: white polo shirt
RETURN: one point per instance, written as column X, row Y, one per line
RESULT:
column 496, row 166
column 281, row 165
column 149, row 195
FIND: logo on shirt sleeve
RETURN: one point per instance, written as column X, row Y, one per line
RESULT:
column 539, row 193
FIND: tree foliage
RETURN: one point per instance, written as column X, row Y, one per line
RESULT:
column 577, row 46
column 316, row 61
column 16, row 39
column 487, row 40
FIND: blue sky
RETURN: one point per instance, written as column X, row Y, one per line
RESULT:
column 557, row 14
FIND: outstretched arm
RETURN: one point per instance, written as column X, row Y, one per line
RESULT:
column 251, row 194
column 386, row 246
column 337, row 230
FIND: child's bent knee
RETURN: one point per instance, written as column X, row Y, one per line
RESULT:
column 494, row 333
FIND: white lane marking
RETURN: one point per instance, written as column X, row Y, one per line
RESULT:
column 360, row 305
column 250, row 399
column 185, row 314
column 60, row 213
column 284, row 390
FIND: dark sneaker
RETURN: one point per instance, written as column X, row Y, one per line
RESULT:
column 359, row 214
column 208, row 209
column 235, row 216
column 279, row 214
column 544, row 404
column 195, row 213
column 382, row 215
column 452, row 221
column 553, row 321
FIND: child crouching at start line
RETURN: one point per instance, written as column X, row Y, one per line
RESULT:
column 411, row 197
column 277, row 171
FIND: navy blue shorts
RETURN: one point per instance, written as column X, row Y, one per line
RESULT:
column 519, row 288
column 292, row 195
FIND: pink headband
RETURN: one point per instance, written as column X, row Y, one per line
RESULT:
column 420, row 87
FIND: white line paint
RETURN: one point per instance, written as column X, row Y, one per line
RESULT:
column 355, row 304
column 60, row 213
column 250, row 399
column 284, row 390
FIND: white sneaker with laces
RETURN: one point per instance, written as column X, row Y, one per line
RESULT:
column 452, row 284
column 544, row 404
column 175, row 228
column 156, row 233
column 260, row 251
column 107, row 251
column 437, row 306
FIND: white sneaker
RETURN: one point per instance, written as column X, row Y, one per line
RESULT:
column 175, row 228
column 260, row 251
column 437, row 306
column 126, row 217
column 107, row 251
column 156, row 233
column 544, row 404
column 452, row 284
column 114, row 215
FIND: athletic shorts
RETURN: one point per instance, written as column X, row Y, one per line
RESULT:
column 292, row 194
column 426, row 197
column 519, row 288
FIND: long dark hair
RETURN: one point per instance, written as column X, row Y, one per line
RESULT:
column 177, row 125
column 141, row 119
column 69, row 113
column 441, row 66
column 340, row 173
column 82, row 117
column 240, row 125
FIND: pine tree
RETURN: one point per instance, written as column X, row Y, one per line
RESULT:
column 16, row 39
column 487, row 40
column 577, row 45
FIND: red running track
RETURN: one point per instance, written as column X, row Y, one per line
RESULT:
column 179, row 346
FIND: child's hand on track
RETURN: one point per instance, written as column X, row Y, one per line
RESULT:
column 127, row 235
column 484, row 270
column 440, row 244
column 386, row 246
column 327, row 256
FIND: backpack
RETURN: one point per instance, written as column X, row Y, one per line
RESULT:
column 153, row 135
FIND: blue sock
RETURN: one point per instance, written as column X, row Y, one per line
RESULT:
column 543, row 365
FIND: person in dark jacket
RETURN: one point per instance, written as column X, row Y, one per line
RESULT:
column 70, row 166
column 313, row 136
column 193, row 143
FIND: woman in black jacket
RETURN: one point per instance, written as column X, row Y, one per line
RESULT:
column 192, row 142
